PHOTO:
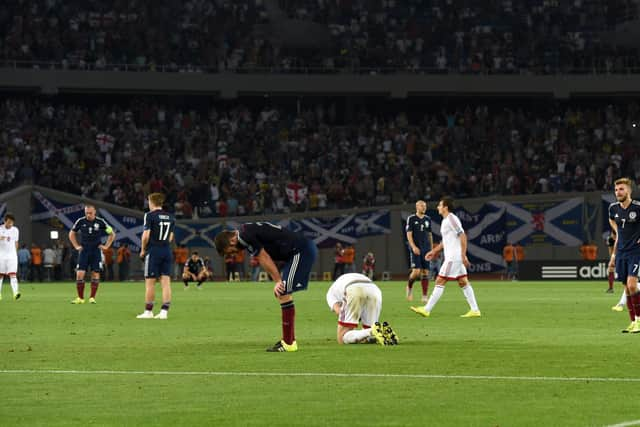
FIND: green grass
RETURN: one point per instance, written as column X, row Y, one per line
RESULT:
column 528, row 329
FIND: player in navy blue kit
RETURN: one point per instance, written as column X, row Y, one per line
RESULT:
column 420, row 241
column 91, row 229
column 269, row 243
column 158, row 257
column 624, row 217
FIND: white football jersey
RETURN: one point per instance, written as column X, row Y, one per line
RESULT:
column 336, row 292
column 8, row 239
column 451, row 229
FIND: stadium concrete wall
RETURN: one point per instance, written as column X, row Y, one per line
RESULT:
column 397, row 85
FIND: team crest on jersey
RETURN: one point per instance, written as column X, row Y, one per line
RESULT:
column 96, row 226
column 632, row 215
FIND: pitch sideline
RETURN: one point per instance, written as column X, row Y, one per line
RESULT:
column 327, row 374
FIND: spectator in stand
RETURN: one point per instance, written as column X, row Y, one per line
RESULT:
column 239, row 261
column 48, row 260
column 108, row 263
column 589, row 251
column 349, row 258
column 230, row 266
column 180, row 256
column 369, row 265
column 57, row 265
column 123, row 258
column 24, row 261
column 36, row 263
column 255, row 268
column 338, row 256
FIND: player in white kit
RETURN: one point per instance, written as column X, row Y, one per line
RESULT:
column 355, row 298
column 454, row 266
column 9, row 236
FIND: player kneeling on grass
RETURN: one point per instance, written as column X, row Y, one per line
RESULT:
column 355, row 298
column 158, row 259
column 194, row 271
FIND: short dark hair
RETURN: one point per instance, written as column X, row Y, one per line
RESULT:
column 222, row 240
column 448, row 202
column 10, row 216
column 194, row 253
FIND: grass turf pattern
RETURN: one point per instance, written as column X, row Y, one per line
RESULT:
column 503, row 369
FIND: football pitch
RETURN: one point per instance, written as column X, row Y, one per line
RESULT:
column 542, row 354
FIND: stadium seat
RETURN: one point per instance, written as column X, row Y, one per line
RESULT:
column 263, row 276
column 326, row 275
column 386, row 276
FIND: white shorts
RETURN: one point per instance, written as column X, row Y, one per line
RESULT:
column 363, row 304
column 8, row 265
column 452, row 270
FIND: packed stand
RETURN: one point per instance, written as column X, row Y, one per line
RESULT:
column 466, row 36
column 235, row 161
column 470, row 36
column 193, row 35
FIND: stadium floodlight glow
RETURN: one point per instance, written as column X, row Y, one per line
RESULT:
column 53, row 235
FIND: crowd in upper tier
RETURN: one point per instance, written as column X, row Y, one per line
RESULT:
column 462, row 36
column 235, row 160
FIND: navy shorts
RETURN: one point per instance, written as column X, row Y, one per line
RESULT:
column 419, row 262
column 295, row 273
column 90, row 259
column 157, row 262
column 627, row 265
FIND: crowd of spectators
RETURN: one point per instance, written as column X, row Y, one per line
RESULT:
column 469, row 36
column 235, row 160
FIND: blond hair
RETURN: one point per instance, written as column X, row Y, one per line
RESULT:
column 157, row 199
column 623, row 181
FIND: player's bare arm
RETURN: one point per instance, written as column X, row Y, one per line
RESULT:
column 74, row 240
column 110, row 239
column 337, row 307
column 270, row 267
column 144, row 242
column 433, row 252
column 612, row 260
column 463, row 249
column 412, row 244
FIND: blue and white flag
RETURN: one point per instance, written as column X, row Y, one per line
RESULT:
column 196, row 234
column 557, row 223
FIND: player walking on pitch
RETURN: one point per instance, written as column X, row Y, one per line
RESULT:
column 420, row 240
column 9, row 236
column 624, row 218
column 454, row 243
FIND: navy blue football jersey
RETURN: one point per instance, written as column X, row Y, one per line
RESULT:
column 91, row 232
column 281, row 244
column 420, row 227
column 161, row 224
column 628, row 221
column 194, row 266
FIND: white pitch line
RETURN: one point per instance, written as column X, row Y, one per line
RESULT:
column 626, row 424
column 321, row 374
